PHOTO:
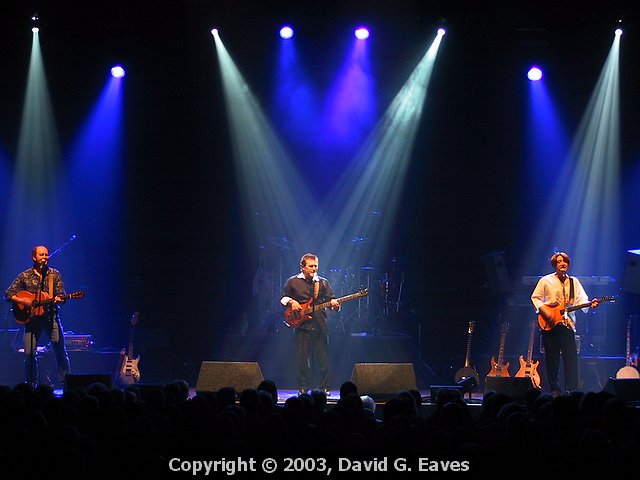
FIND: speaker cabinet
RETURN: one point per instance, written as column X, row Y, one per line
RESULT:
column 496, row 271
column 241, row 375
column 626, row 389
column 631, row 282
column 515, row 387
column 383, row 379
column 83, row 380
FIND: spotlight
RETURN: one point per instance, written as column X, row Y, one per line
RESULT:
column 441, row 32
column 117, row 71
column 35, row 23
column 361, row 33
column 534, row 74
column 286, row 32
column 618, row 31
column 214, row 32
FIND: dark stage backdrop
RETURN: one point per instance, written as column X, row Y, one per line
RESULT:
column 187, row 266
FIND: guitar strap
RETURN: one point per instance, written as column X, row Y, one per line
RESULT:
column 571, row 291
column 316, row 289
column 50, row 285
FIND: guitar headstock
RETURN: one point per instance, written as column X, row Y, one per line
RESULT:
column 504, row 329
column 364, row 292
column 134, row 318
column 78, row 294
column 472, row 324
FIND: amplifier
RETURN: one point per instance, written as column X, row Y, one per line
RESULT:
column 78, row 343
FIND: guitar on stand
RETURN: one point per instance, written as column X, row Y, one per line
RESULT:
column 499, row 368
column 529, row 368
column 468, row 371
column 128, row 373
column 630, row 370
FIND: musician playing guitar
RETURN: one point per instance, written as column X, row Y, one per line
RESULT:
column 312, row 346
column 552, row 297
column 31, row 291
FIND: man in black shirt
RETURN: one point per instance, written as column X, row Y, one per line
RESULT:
column 302, row 291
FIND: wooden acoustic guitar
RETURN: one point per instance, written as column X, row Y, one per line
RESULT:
column 550, row 317
column 498, row 367
column 630, row 370
column 129, row 371
column 295, row 318
column 468, row 371
column 23, row 314
column 529, row 368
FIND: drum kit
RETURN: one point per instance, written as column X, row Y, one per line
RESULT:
column 378, row 311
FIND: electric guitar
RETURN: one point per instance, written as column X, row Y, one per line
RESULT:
column 499, row 368
column 629, row 370
column 23, row 313
column 550, row 317
column 129, row 372
column 295, row 318
column 529, row 368
column 468, row 371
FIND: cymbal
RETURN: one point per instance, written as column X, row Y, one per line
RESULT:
column 281, row 242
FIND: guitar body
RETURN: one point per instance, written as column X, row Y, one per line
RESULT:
column 628, row 372
column 466, row 372
column 295, row 318
column 498, row 369
column 39, row 302
column 550, row 317
column 529, row 369
column 129, row 373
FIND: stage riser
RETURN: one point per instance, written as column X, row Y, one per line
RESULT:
column 12, row 371
column 276, row 354
column 593, row 372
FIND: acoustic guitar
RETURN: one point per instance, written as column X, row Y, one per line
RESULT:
column 129, row 371
column 550, row 317
column 23, row 313
column 630, row 370
column 498, row 367
column 468, row 371
column 529, row 368
column 295, row 318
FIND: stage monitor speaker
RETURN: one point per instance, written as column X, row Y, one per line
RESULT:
column 83, row 380
column 496, row 272
column 383, row 379
column 241, row 375
column 631, row 282
column 515, row 387
column 626, row 389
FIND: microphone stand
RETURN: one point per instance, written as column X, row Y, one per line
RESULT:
column 59, row 249
column 32, row 335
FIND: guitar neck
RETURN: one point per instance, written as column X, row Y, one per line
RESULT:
column 467, row 360
column 346, row 298
column 130, row 352
column 531, row 339
column 501, row 351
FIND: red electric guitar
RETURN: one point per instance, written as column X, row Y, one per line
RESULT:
column 295, row 318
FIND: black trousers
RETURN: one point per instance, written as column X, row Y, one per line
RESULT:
column 312, row 352
column 560, row 341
